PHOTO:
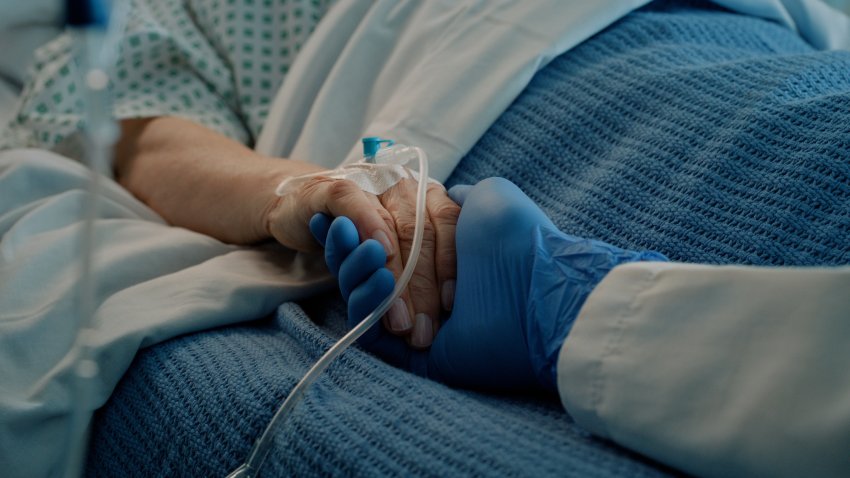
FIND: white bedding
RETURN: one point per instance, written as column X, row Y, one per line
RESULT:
column 156, row 281
column 363, row 75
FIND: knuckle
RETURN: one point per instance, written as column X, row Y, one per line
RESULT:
column 314, row 184
column 407, row 229
column 445, row 213
column 341, row 189
column 422, row 285
column 436, row 188
column 390, row 197
column 408, row 184
column 386, row 217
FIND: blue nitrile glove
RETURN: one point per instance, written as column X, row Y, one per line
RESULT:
column 520, row 286
column 364, row 282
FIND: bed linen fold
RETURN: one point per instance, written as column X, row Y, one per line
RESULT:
column 437, row 74
column 154, row 282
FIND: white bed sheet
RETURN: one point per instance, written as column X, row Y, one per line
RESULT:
column 154, row 282
column 412, row 71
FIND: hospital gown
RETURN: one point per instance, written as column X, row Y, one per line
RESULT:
column 215, row 62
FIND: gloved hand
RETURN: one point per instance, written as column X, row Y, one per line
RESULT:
column 520, row 286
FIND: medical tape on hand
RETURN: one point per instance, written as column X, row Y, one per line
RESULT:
column 371, row 178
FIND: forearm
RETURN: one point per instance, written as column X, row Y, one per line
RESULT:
column 198, row 179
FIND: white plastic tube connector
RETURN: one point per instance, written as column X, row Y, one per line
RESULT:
column 394, row 156
column 95, row 50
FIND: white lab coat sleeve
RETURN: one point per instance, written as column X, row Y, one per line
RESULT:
column 717, row 371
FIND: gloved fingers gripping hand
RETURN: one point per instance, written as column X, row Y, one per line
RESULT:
column 335, row 197
column 432, row 285
column 364, row 283
column 482, row 344
column 350, row 261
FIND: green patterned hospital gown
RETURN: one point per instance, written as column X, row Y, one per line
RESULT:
column 216, row 62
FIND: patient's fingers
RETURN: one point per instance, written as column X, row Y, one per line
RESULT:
column 424, row 293
column 391, row 221
column 458, row 193
column 444, row 213
column 390, row 348
column 399, row 319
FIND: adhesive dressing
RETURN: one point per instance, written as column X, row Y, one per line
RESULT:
column 380, row 170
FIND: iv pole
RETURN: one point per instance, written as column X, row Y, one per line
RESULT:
column 88, row 24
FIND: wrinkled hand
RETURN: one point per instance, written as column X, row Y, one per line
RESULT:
column 390, row 220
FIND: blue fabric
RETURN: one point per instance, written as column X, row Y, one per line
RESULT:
column 705, row 135
column 710, row 137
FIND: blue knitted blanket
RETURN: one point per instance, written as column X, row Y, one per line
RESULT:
column 708, row 136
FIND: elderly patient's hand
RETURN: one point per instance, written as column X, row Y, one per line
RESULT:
column 390, row 220
column 199, row 179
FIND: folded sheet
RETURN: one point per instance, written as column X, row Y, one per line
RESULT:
column 154, row 282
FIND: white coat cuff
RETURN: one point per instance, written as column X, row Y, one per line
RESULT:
column 592, row 344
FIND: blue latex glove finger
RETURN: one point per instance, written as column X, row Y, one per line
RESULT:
column 459, row 192
column 368, row 295
column 319, row 226
column 392, row 349
column 367, row 258
column 364, row 283
column 342, row 239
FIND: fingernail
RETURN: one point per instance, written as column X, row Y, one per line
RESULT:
column 447, row 294
column 382, row 237
column 399, row 317
column 423, row 332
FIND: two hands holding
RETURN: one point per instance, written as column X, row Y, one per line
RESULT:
column 387, row 222
column 512, row 283
column 520, row 286
column 198, row 179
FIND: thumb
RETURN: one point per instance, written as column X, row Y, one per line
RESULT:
column 458, row 193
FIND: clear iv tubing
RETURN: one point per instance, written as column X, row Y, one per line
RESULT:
column 263, row 445
column 95, row 51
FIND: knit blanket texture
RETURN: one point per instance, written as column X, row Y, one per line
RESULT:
column 708, row 136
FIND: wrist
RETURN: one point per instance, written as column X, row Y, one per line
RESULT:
column 565, row 271
column 272, row 173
